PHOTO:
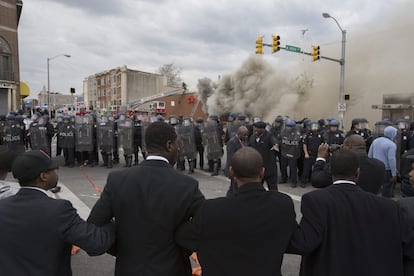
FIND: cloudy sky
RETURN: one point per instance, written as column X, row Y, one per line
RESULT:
column 204, row 38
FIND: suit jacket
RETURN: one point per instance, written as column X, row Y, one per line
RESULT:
column 233, row 235
column 371, row 175
column 233, row 145
column 148, row 202
column 407, row 208
column 37, row 233
column 263, row 146
column 346, row 231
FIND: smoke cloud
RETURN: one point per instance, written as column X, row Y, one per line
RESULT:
column 256, row 88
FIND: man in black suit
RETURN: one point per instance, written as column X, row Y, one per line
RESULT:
column 266, row 145
column 407, row 203
column 372, row 170
column 37, row 231
column 235, row 143
column 246, row 233
column 149, row 202
column 347, row 231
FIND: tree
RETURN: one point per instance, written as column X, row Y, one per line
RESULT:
column 172, row 73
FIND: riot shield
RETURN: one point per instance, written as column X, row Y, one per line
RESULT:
column 38, row 137
column 106, row 132
column 126, row 136
column 186, row 141
column 211, row 141
column 13, row 137
column 84, row 131
column 290, row 147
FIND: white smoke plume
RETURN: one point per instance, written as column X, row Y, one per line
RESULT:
column 256, row 88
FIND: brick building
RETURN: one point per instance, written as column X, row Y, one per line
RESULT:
column 117, row 87
column 10, row 11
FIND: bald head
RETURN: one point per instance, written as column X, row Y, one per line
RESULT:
column 247, row 166
column 243, row 133
column 355, row 142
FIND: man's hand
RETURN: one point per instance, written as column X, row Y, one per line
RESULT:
column 323, row 151
column 75, row 250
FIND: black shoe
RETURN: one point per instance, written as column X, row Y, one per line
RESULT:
column 214, row 173
column 293, row 185
column 303, row 184
column 283, row 181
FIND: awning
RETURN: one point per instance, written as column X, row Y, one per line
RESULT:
column 24, row 90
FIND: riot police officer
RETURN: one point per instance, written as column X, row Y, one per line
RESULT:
column 106, row 143
column 14, row 134
column 213, row 140
column 126, row 138
column 290, row 145
column 198, row 136
column 311, row 141
column 334, row 137
column 67, row 141
column 186, row 144
column 138, row 138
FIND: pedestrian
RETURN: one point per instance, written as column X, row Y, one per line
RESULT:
column 235, row 143
column 244, row 234
column 372, row 170
column 37, row 231
column 347, row 231
column 148, row 202
column 385, row 150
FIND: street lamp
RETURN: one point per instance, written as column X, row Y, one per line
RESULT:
column 341, row 102
column 48, row 80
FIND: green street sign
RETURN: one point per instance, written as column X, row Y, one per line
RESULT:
column 292, row 48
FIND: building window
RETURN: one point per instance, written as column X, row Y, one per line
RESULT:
column 6, row 71
column 172, row 103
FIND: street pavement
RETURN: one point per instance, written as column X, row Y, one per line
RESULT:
column 82, row 186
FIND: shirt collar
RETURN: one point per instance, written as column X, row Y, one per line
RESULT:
column 157, row 157
column 343, row 182
column 36, row 188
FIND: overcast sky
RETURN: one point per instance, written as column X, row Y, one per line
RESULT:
column 204, row 38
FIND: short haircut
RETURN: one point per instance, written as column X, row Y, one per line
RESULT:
column 344, row 163
column 356, row 141
column 247, row 163
column 158, row 134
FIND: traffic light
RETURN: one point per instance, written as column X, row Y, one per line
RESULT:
column 275, row 43
column 72, row 90
column 315, row 52
column 259, row 45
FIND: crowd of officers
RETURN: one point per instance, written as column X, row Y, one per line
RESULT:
column 81, row 138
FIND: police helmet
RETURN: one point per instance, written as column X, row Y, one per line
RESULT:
column 160, row 118
column 232, row 116
column 10, row 117
column 199, row 120
column 334, row 122
column 213, row 117
column 290, row 123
